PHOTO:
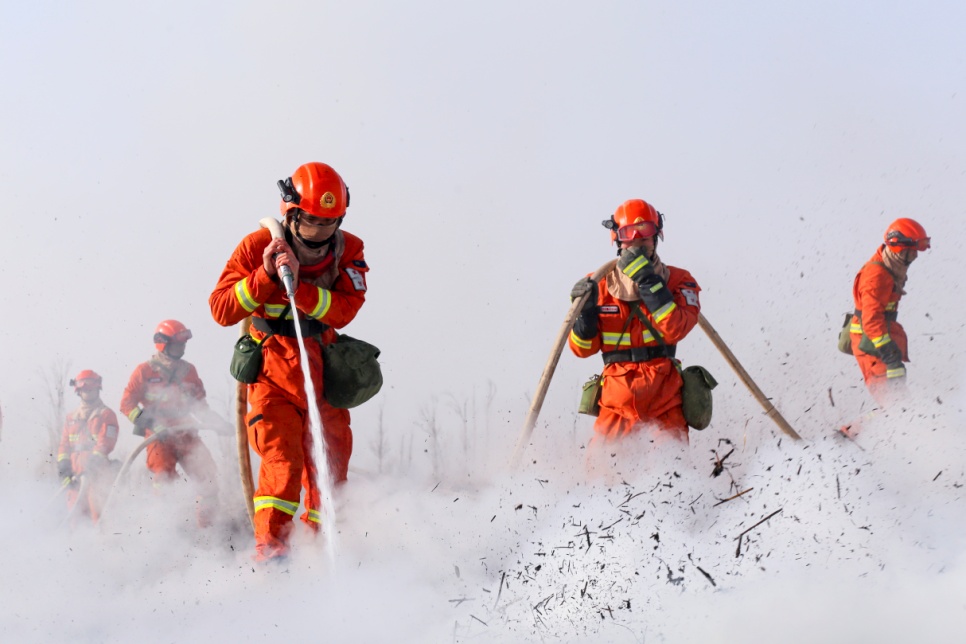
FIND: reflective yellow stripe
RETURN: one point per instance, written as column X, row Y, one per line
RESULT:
column 856, row 328
column 882, row 339
column 648, row 337
column 891, row 306
column 663, row 312
column 631, row 269
column 133, row 416
column 898, row 372
column 657, row 287
column 62, row 457
column 266, row 502
column 611, row 338
column 325, row 301
column 244, row 296
column 314, row 515
column 275, row 310
column 580, row 342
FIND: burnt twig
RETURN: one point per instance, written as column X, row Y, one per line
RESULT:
column 730, row 498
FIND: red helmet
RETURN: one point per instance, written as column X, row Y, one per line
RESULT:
column 906, row 233
column 170, row 330
column 316, row 189
column 635, row 219
column 86, row 379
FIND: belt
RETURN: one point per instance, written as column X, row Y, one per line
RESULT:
column 286, row 328
column 890, row 316
column 639, row 354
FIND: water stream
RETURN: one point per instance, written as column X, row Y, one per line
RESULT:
column 319, row 451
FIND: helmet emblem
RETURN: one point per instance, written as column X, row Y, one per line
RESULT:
column 327, row 200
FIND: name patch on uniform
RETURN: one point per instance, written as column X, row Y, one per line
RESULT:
column 361, row 263
column 154, row 379
column 690, row 296
column 610, row 309
column 358, row 280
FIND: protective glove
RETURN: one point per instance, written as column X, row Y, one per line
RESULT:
column 587, row 323
column 64, row 469
column 634, row 264
column 655, row 294
column 892, row 357
column 142, row 423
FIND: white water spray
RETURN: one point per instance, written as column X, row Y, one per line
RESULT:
column 319, row 452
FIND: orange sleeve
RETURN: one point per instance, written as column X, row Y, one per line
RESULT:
column 873, row 289
column 244, row 285
column 105, row 433
column 338, row 305
column 63, row 449
column 192, row 385
column 679, row 322
column 133, row 393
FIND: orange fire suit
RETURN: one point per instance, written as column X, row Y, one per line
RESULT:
column 278, row 422
column 166, row 396
column 877, row 300
column 89, row 436
column 636, row 392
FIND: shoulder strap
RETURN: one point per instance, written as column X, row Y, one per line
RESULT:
column 636, row 307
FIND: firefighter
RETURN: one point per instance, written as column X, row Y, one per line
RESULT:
column 879, row 342
column 165, row 395
column 640, row 385
column 330, row 277
column 89, row 436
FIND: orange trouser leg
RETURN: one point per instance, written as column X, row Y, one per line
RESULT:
column 277, row 431
column 161, row 460
column 874, row 373
column 338, row 447
column 644, row 394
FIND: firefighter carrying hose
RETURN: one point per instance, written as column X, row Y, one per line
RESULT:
column 90, row 434
column 330, row 287
column 165, row 394
column 641, row 385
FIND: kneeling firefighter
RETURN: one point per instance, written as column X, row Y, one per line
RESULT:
column 165, row 394
column 640, row 297
column 89, row 436
column 330, row 287
column 879, row 342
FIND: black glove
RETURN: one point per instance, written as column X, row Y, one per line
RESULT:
column 655, row 294
column 892, row 357
column 587, row 323
column 141, row 423
column 633, row 263
column 64, row 469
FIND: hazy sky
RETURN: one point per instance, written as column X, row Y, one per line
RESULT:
column 483, row 144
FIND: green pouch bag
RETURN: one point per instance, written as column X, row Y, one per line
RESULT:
column 590, row 397
column 696, row 395
column 246, row 360
column 845, row 335
column 350, row 372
